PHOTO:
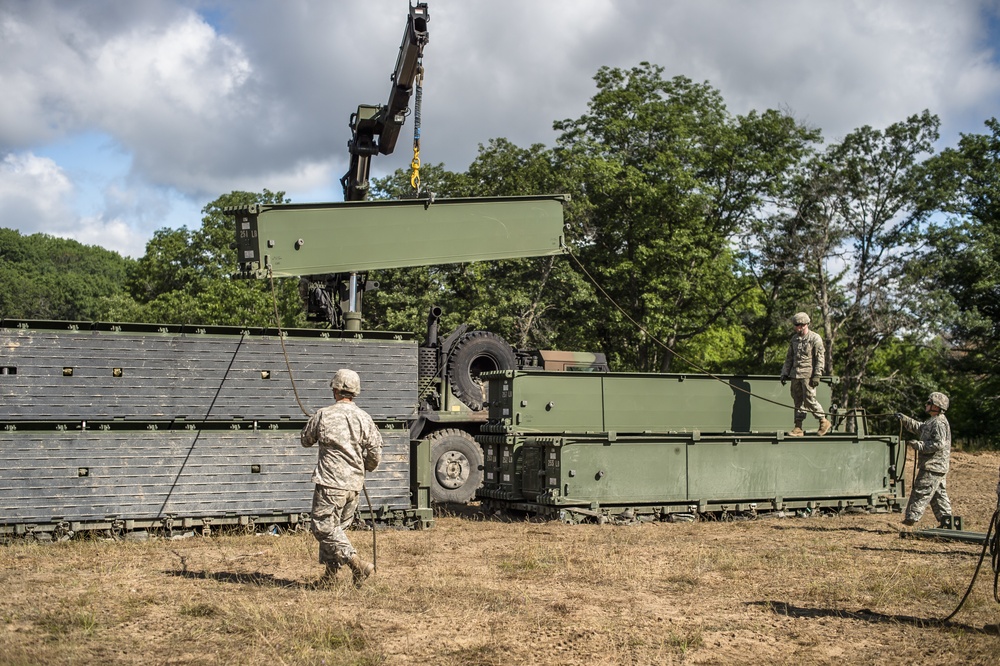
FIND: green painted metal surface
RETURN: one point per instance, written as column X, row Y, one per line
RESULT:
column 791, row 468
column 622, row 472
column 677, row 442
column 554, row 402
column 313, row 239
column 530, row 402
column 691, row 470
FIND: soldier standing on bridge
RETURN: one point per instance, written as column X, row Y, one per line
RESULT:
column 349, row 444
column 933, row 456
column 804, row 364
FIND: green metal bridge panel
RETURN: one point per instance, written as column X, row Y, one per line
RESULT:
column 549, row 402
column 637, row 404
column 312, row 239
column 788, row 468
column 558, row 402
column 624, row 472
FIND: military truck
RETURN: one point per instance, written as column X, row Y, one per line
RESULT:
column 346, row 239
column 120, row 427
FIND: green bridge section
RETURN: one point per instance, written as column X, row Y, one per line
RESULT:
column 525, row 402
column 669, row 444
column 309, row 239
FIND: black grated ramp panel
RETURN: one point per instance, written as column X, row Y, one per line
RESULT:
column 60, row 374
column 50, row 476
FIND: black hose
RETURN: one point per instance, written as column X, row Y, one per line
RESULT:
column 993, row 545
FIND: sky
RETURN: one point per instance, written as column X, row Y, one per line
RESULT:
column 120, row 117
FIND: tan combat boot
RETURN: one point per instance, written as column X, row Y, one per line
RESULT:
column 824, row 427
column 361, row 569
column 328, row 578
column 797, row 431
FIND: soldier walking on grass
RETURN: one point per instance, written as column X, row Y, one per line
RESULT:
column 349, row 444
column 933, row 451
column 804, row 364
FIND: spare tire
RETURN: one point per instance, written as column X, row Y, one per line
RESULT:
column 456, row 466
column 474, row 354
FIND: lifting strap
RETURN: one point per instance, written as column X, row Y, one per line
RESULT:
column 415, row 163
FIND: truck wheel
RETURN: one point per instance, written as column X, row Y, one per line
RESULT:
column 476, row 353
column 456, row 466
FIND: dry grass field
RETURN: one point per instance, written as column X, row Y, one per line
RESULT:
column 476, row 590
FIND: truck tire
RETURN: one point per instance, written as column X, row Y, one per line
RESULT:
column 456, row 466
column 475, row 353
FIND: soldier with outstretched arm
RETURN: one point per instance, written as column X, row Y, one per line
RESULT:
column 933, row 451
column 349, row 445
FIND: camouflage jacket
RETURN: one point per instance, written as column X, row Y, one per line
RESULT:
column 349, row 444
column 934, row 448
column 806, row 356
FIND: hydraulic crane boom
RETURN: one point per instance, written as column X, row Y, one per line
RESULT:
column 331, row 247
column 375, row 128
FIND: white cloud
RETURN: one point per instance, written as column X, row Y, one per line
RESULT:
column 36, row 193
column 205, row 97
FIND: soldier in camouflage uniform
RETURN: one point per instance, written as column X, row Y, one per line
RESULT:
column 349, row 444
column 933, row 453
column 804, row 364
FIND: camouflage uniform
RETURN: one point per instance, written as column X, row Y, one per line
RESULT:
column 805, row 359
column 933, row 453
column 349, row 444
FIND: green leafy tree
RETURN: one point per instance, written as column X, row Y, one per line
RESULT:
column 43, row 277
column 671, row 178
column 960, row 279
column 185, row 277
column 773, row 247
column 864, row 200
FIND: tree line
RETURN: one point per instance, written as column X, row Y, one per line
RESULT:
column 709, row 229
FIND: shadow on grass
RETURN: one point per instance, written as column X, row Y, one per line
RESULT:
column 850, row 528
column 476, row 512
column 922, row 551
column 865, row 615
column 259, row 579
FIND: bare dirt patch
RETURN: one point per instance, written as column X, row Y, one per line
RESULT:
column 833, row 590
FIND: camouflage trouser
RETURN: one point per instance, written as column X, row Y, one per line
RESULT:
column 930, row 488
column 804, row 395
column 332, row 513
